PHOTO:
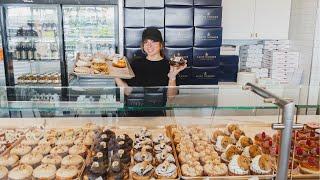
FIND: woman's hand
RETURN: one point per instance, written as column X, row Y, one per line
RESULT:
column 174, row 71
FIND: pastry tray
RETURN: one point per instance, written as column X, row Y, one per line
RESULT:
column 114, row 72
column 169, row 130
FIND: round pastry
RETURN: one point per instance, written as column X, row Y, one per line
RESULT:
column 9, row 160
column 177, row 61
column 117, row 171
column 101, row 147
column 260, row 138
column 124, row 137
column 79, row 149
column 143, row 156
column 212, row 169
column 124, row 157
column 67, row 172
column 144, row 132
column 214, row 158
column 97, row 170
column 3, row 173
column 42, row 149
column 119, row 63
column 45, row 171
column 252, row 151
column 185, row 156
column 222, row 143
column 293, row 167
column 33, row 159
column 142, row 171
column 230, row 151
column 122, row 145
column 48, row 141
column 243, row 142
column 307, row 144
column 139, row 146
column 30, row 142
column 21, row 172
column 266, row 146
column 236, row 135
column 72, row 160
column 310, row 166
column 20, row 150
column 192, row 169
column 161, row 138
column 239, row 165
column 166, row 170
column 164, row 156
column 60, row 150
column 231, row 128
column 65, row 141
column 98, row 60
column 81, row 63
column 186, row 145
column 162, row 147
column 261, row 165
column 300, row 154
column 52, row 159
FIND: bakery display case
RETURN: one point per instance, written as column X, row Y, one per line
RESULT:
column 214, row 143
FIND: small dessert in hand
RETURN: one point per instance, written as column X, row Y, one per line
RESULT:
column 239, row 165
column 142, row 171
column 243, row 142
column 230, row 151
column 3, row 173
column 252, row 151
column 117, row 171
column 166, row 170
column 67, row 172
column 260, row 138
column 212, row 169
column 310, row 166
column 222, row 143
column 215, row 135
column 192, row 169
column 21, row 172
column 177, row 61
column 261, row 165
column 45, row 171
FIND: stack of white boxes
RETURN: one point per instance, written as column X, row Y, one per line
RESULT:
column 275, row 45
column 251, row 60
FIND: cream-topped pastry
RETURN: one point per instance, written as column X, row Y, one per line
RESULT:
column 9, row 160
column 243, row 142
column 21, row 172
column 252, row 151
column 166, row 170
column 164, row 156
column 230, row 151
column 52, row 159
column 72, row 160
column 161, row 138
column 67, row 172
column 65, row 141
column 78, row 149
column 231, row 127
column 215, row 169
column 162, row 147
column 261, row 164
column 60, row 150
column 143, row 156
column 45, row 171
column 32, row 159
column 222, row 143
column 239, row 165
column 20, row 150
column 143, row 169
column 42, row 149
column 236, row 135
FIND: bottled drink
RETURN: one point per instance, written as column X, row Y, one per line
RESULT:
column 20, row 32
column 30, row 51
column 33, row 49
column 18, row 51
column 24, row 53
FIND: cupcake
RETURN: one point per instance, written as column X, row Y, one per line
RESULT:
column 67, row 172
column 252, row 151
column 42, row 149
column 79, row 149
column 162, row 147
column 185, row 156
column 72, row 160
column 117, row 171
column 212, row 169
column 192, row 169
column 164, row 156
column 123, row 157
column 230, row 151
column 166, row 170
column 243, row 142
column 139, row 146
column 310, row 165
column 21, row 172
column 124, row 137
column 97, row 170
column 261, row 165
column 239, row 165
column 45, row 171
column 65, row 141
column 60, row 150
column 236, row 135
column 231, row 128
column 222, row 143
column 29, row 142
column 142, row 171
column 9, row 160
column 52, row 159
column 3, row 173
column 161, row 138
column 260, row 138
column 143, row 156
column 33, row 159
column 20, row 150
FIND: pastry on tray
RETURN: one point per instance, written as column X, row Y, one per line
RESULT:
column 122, row 156
column 143, row 156
column 164, row 156
column 252, row 151
column 192, row 169
column 161, row 138
column 9, row 160
column 230, row 151
column 99, row 167
column 117, row 171
column 72, row 160
column 222, row 143
column 82, row 63
column 33, row 159
column 67, row 172
column 21, row 172
column 162, row 147
column 20, row 150
column 52, row 159
column 142, row 171
column 243, row 142
column 232, row 127
column 261, row 138
column 45, row 171
column 166, row 170
column 3, row 173
column 310, row 165
column 124, row 137
column 213, row 169
column 60, row 150
column 43, row 149
column 83, row 70
column 79, row 149
column 239, row 165
column 261, row 165
column 236, row 135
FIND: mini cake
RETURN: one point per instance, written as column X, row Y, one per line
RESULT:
column 260, row 138
column 166, row 170
column 79, row 149
column 164, row 156
column 128, row 141
column 3, row 173
column 231, row 128
column 101, row 147
column 236, row 135
column 143, row 156
column 144, row 132
column 21, row 172
column 42, row 149
column 310, row 166
column 72, row 160
column 67, row 172
column 192, row 169
column 239, row 165
column 142, row 171
column 60, row 150
column 45, row 171
column 161, row 138
column 177, row 61
column 162, row 147
column 9, row 160
column 123, row 157
column 52, row 159
column 122, row 145
column 20, row 150
column 243, row 142
column 117, row 171
column 222, row 143
column 212, row 169
column 97, row 170
column 65, row 141
column 230, row 151
column 252, row 151
column 33, row 159
column 261, row 165
column 185, row 157
column 139, row 147
column 29, row 142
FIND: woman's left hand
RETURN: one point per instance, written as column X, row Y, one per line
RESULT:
column 174, row 71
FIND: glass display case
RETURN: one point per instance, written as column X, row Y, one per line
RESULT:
column 2, row 73
column 210, row 115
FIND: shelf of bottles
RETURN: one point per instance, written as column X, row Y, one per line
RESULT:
column 88, row 29
column 33, row 43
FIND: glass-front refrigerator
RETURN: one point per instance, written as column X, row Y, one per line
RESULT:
column 2, row 72
column 88, row 29
column 33, row 44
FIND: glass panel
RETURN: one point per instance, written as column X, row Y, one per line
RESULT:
column 2, row 73
column 33, row 40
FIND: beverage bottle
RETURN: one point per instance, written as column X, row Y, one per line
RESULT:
column 23, row 51
column 30, row 51
column 18, row 51
column 33, row 51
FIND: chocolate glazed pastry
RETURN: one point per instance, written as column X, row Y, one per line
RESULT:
column 102, row 147
column 117, row 172
column 124, row 137
column 98, row 167
column 122, row 156
column 122, row 145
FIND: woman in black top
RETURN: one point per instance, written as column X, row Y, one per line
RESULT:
column 154, row 70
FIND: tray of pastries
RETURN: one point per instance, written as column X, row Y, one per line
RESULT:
column 45, row 78
column 102, row 66
column 133, row 153
column 224, row 152
column 49, row 154
column 10, row 137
